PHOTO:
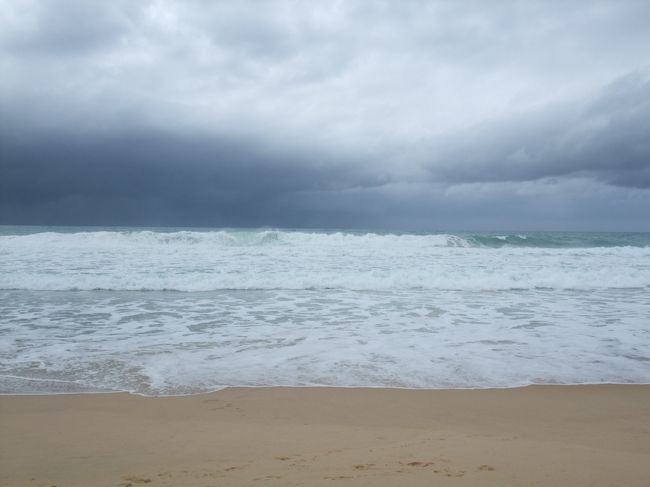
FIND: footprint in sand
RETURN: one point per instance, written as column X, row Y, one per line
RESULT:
column 448, row 473
column 130, row 480
column 268, row 477
column 441, row 471
column 419, row 464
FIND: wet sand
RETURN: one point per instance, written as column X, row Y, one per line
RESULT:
column 540, row 435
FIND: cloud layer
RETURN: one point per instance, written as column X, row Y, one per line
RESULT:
column 348, row 114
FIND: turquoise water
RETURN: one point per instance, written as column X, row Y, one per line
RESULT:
column 488, row 239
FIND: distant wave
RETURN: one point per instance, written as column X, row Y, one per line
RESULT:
column 274, row 259
column 566, row 240
column 272, row 237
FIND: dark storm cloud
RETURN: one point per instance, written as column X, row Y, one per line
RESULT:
column 406, row 114
column 160, row 179
column 607, row 139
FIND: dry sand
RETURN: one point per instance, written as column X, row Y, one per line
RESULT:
column 542, row 435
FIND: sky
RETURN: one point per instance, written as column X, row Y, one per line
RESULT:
column 398, row 115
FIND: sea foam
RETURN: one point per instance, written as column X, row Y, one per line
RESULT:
column 160, row 312
column 217, row 260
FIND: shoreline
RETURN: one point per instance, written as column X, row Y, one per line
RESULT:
column 360, row 388
column 546, row 434
column 217, row 389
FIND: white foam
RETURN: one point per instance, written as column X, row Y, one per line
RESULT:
column 175, row 343
column 205, row 261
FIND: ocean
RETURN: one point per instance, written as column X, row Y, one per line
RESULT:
column 182, row 311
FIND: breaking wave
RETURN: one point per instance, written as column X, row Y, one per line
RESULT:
column 271, row 237
column 275, row 259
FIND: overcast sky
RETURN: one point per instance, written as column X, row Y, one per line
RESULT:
column 370, row 114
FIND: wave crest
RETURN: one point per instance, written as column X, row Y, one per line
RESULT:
column 218, row 238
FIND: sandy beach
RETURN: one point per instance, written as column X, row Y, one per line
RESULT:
column 539, row 435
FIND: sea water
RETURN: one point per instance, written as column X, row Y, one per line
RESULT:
column 173, row 311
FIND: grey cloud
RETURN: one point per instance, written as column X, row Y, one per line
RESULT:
column 402, row 114
column 607, row 138
column 70, row 28
column 160, row 178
